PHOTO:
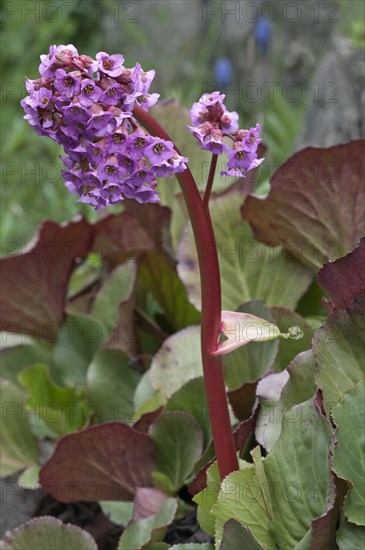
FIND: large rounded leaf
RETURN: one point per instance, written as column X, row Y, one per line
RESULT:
column 179, row 445
column 350, row 536
column 45, row 533
column 61, row 409
column 339, row 354
column 316, row 204
column 153, row 512
column 349, row 453
column 106, row 462
column 110, row 386
column 249, row 270
column 278, row 498
column 158, row 275
column 34, row 284
column 343, row 280
column 177, row 361
column 18, row 447
column 117, row 288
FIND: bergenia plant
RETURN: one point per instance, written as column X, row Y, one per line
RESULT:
column 129, row 376
column 98, row 111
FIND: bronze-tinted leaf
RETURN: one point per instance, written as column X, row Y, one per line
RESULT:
column 34, row 283
column 315, row 208
column 344, row 279
column 105, row 462
column 120, row 237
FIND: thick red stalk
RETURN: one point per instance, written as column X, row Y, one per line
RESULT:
column 211, row 308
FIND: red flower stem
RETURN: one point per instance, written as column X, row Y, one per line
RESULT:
column 208, row 189
column 211, row 308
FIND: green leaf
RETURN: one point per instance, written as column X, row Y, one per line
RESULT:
column 262, row 480
column 350, row 537
column 250, row 362
column 118, row 512
column 18, row 447
column 79, row 339
column 303, row 211
column 249, row 270
column 301, row 386
column 117, row 288
column 349, row 453
column 298, row 481
column 239, row 499
column 338, row 353
column 145, row 530
column 143, row 390
column 278, row 393
column 153, row 403
column 111, row 383
column 61, row 409
column 14, row 359
column 177, row 361
column 191, row 398
column 268, row 425
column 47, row 532
column 174, row 118
column 206, row 499
column 299, row 471
column 86, row 275
column 236, row 537
column 158, row 275
column 179, row 444
column 28, row 479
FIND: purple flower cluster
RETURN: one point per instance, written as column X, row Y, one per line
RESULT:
column 212, row 123
column 87, row 105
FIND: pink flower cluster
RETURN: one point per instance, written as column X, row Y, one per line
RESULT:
column 212, row 123
column 86, row 105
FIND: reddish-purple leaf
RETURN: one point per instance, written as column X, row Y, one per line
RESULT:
column 344, row 279
column 120, row 237
column 240, row 436
column 144, row 423
column 147, row 502
column 324, row 527
column 200, row 482
column 105, row 462
column 315, row 208
column 34, row 284
column 244, row 430
column 154, row 219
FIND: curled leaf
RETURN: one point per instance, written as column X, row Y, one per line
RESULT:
column 242, row 328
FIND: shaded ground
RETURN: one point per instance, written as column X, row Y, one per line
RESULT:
column 89, row 516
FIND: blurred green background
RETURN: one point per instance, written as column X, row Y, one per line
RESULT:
column 274, row 50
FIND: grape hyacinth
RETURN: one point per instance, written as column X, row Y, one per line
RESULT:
column 212, row 123
column 86, row 105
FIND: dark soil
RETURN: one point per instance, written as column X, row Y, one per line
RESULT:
column 89, row 516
